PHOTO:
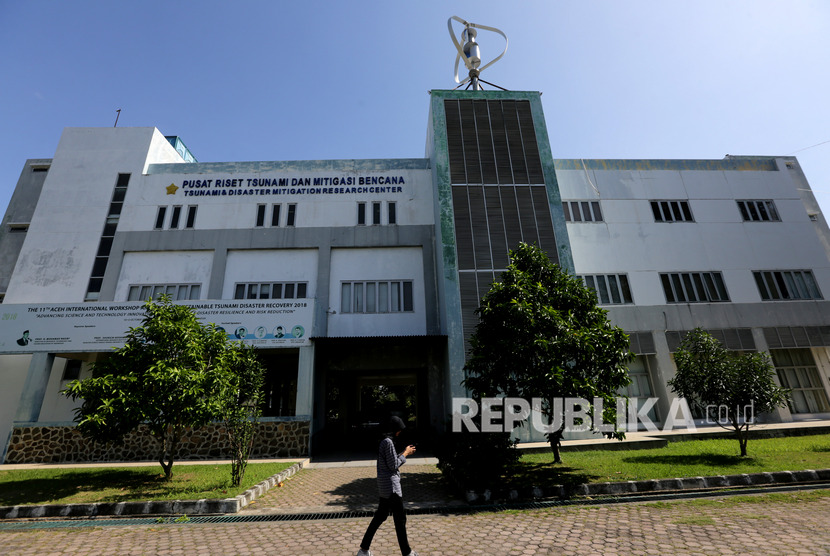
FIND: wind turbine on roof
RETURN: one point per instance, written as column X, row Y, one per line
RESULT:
column 471, row 54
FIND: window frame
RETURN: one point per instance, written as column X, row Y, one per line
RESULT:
column 694, row 287
column 670, row 211
column 376, row 297
column 254, row 290
column 787, row 285
column 614, row 289
column 189, row 291
column 758, row 210
column 583, row 211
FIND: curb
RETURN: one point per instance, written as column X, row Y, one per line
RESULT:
column 650, row 486
column 204, row 506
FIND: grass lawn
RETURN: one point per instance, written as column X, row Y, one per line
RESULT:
column 691, row 458
column 127, row 484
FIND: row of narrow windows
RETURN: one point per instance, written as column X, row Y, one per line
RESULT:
column 174, row 221
column 374, row 296
column 708, row 287
column 762, row 210
column 611, row 289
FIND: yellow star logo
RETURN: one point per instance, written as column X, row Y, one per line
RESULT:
column 172, row 188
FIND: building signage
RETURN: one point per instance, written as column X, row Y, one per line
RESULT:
column 61, row 328
column 299, row 185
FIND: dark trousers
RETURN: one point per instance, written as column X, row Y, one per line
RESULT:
column 394, row 504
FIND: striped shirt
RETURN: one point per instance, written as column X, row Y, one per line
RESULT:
column 389, row 477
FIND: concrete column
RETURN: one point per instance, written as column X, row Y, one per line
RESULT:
column 34, row 389
column 782, row 414
column 217, row 273
column 322, row 306
column 662, row 374
column 305, row 382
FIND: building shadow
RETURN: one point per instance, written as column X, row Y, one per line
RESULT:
column 420, row 490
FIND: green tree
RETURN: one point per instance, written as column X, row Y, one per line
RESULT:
column 729, row 388
column 169, row 375
column 242, row 404
column 541, row 335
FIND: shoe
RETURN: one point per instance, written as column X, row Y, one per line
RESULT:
column 362, row 552
column 413, row 553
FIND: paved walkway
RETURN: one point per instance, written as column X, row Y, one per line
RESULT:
column 677, row 528
column 705, row 527
column 325, row 488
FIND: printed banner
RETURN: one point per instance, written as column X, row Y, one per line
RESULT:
column 60, row 328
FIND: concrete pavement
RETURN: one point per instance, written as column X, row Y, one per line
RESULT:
column 771, row 525
column 631, row 528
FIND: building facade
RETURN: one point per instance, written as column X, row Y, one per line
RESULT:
column 358, row 279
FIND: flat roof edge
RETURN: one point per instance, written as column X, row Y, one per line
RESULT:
column 737, row 163
column 362, row 165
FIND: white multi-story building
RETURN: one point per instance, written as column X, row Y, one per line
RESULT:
column 357, row 279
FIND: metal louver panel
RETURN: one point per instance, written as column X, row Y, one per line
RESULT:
column 498, row 192
column 527, row 216
column 531, row 147
column 481, row 237
column 495, row 221
column 504, row 167
column 734, row 339
column 772, row 339
column 463, row 229
column 472, row 159
column 492, row 142
column 514, row 142
column 642, row 343
column 510, row 210
column 469, row 302
column 797, row 337
column 455, row 146
column 541, row 208
column 485, row 142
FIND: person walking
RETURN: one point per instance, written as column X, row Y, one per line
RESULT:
column 389, row 488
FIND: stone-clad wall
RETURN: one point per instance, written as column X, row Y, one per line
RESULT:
column 57, row 444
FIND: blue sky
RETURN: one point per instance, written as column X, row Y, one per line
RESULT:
column 319, row 80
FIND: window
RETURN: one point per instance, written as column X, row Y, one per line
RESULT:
column 18, row 227
column 758, row 211
column 275, row 215
column 377, row 213
column 292, row 215
column 191, row 216
column 177, row 292
column 671, row 211
column 96, row 279
column 797, row 371
column 162, row 212
column 270, row 290
column 72, row 370
column 610, row 288
column 639, row 371
column 376, row 297
column 694, row 287
column 777, row 285
column 582, row 211
column 175, row 217
column 262, row 215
